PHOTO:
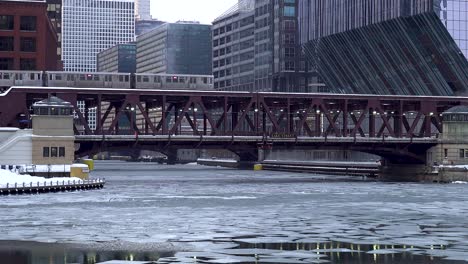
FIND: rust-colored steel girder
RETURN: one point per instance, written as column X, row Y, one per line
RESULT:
column 162, row 112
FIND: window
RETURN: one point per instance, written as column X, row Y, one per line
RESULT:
column 7, row 22
column 62, row 152
column 289, row 11
column 462, row 153
column 27, row 64
column 28, row 44
column 28, row 23
column 445, row 153
column 53, row 152
column 7, row 44
column 6, row 64
column 289, row 52
column 45, row 152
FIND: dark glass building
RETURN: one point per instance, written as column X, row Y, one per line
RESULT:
column 413, row 47
column 175, row 48
column 120, row 58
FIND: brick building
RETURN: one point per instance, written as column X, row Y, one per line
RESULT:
column 28, row 40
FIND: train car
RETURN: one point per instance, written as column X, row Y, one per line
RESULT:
column 89, row 79
column 20, row 78
column 173, row 81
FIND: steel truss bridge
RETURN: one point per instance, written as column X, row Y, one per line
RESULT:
column 396, row 127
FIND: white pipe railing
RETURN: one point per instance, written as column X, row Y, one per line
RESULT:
column 54, row 184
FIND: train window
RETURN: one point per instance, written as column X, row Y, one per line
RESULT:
column 96, row 77
column 82, row 77
column 157, row 79
column 205, row 80
column 58, row 77
column 138, row 78
column 121, row 78
column 50, row 77
column 127, row 78
column 39, row 76
column 181, row 79
column 31, row 76
column 19, row 76
column 1, row 76
column 89, row 77
column 6, row 76
column 211, row 80
column 168, row 79
column 145, row 79
column 193, row 80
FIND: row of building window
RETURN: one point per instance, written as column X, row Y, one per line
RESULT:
column 26, row 44
column 25, row 64
column 53, row 152
column 27, row 23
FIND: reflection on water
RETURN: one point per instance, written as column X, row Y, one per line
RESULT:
column 15, row 252
column 244, row 253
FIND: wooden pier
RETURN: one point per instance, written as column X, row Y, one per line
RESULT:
column 51, row 186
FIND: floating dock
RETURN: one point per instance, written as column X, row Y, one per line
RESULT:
column 51, row 186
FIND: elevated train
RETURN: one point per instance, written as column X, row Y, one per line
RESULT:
column 105, row 80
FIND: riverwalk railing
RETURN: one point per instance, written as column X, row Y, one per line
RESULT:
column 51, row 186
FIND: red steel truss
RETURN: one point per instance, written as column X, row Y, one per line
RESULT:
column 151, row 112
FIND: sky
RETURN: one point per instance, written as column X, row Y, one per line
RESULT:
column 204, row 11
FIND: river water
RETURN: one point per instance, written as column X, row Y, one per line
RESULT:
column 196, row 214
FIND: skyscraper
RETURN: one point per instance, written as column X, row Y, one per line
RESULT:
column 175, row 48
column 256, row 48
column 90, row 26
column 143, row 9
column 411, row 47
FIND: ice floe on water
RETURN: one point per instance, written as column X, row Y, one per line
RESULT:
column 231, row 216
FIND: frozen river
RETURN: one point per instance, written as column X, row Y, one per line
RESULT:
column 196, row 214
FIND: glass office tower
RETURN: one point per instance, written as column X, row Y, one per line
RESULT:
column 91, row 26
column 413, row 47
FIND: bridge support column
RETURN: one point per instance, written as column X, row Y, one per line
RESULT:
column 405, row 172
column 247, row 157
column 171, row 156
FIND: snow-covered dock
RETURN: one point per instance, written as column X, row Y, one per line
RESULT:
column 12, row 183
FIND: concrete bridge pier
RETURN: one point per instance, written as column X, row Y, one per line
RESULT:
column 171, row 155
column 247, row 157
column 405, row 172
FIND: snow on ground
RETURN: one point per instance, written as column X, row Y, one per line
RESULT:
column 8, row 177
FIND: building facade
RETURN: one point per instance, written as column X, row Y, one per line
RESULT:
column 91, row 26
column 119, row 58
column 175, row 48
column 256, row 48
column 234, row 48
column 27, row 38
column 413, row 47
column 144, row 26
column 143, row 9
column 54, row 12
